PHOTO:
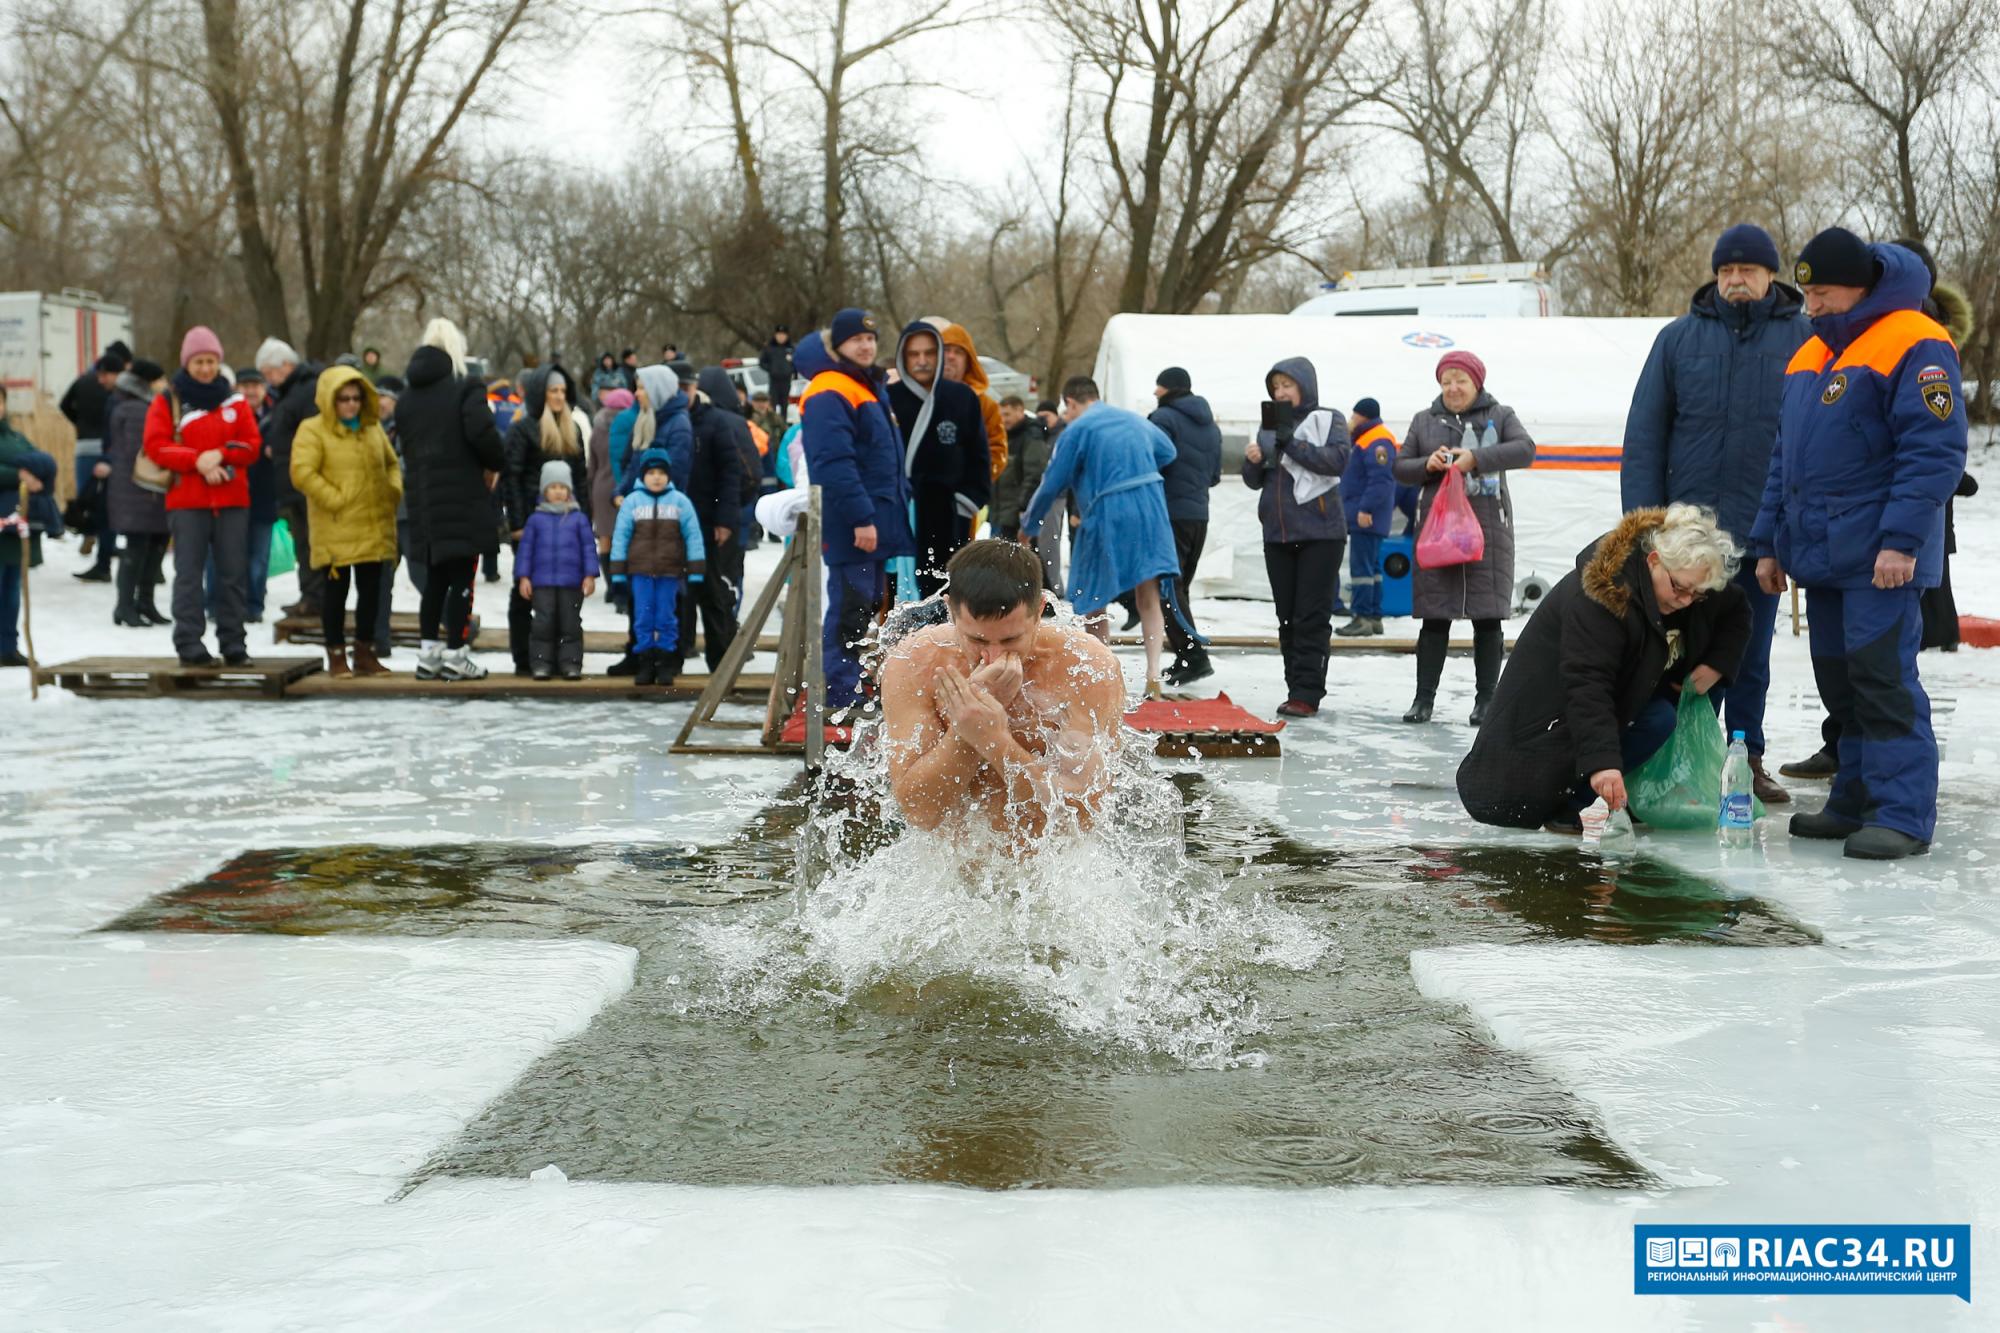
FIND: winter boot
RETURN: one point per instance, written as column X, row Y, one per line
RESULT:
column 1354, row 629
column 627, row 665
column 1768, row 791
column 1822, row 824
column 1297, row 708
column 649, row 668
column 1489, row 654
column 1876, row 843
column 336, row 662
column 668, row 668
column 1420, row 708
column 366, row 663
column 127, row 611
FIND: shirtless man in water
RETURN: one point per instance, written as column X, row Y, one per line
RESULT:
column 995, row 711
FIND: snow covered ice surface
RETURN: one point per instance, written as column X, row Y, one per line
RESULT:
column 213, row 1131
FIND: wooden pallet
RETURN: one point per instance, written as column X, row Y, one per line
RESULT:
column 165, row 677
column 1215, row 745
column 403, row 631
column 593, row 688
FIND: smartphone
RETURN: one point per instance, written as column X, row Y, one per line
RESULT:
column 1272, row 415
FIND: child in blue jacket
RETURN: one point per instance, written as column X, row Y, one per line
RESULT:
column 556, row 564
column 1368, row 494
column 655, row 544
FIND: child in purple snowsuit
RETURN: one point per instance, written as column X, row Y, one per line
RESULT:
column 556, row 564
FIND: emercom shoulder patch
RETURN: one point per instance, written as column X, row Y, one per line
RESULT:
column 1937, row 397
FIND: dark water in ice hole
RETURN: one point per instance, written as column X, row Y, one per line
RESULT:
column 954, row 1080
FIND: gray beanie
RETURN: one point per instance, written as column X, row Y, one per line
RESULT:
column 555, row 472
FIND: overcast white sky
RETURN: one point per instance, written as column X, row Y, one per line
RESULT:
column 1013, row 100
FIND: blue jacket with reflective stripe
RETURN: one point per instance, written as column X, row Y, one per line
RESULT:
column 1871, row 438
column 1705, row 410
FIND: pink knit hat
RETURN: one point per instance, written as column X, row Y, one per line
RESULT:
column 1466, row 362
column 200, row 339
column 616, row 399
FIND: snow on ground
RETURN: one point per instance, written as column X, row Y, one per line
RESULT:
column 211, row 1132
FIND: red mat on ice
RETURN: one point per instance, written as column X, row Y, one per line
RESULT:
column 1181, row 716
column 795, row 728
column 1198, row 715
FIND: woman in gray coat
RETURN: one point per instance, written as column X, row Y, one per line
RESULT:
column 136, row 514
column 1465, row 429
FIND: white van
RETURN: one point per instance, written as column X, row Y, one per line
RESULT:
column 1463, row 291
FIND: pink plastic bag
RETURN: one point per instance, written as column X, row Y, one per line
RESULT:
column 1451, row 534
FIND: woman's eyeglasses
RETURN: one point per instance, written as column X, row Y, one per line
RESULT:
column 1694, row 594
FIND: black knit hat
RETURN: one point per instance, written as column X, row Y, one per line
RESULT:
column 1369, row 408
column 1835, row 258
column 1745, row 243
column 1046, row 405
column 1175, row 380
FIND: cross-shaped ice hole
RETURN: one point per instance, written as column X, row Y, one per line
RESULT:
column 956, row 1079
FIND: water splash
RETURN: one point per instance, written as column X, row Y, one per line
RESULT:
column 1101, row 925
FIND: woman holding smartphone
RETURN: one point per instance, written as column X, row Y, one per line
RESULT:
column 1296, row 461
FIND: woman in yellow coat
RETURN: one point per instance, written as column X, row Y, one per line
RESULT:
column 343, row 464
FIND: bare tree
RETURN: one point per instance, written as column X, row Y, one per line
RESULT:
column 1644, row 153
column 1897, row 64
column 850, row 59
column 1465, row 94
column 1236, row 97
column 369, row 96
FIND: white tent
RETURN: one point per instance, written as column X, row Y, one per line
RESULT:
column 1569, row 379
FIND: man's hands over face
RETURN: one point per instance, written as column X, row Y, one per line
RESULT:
column 971, row 711
column 1001, row 678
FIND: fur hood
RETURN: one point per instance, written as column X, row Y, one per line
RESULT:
column 1603, row 562
column 1954, row 312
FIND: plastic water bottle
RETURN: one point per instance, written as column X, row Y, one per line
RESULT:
column 1732, row 820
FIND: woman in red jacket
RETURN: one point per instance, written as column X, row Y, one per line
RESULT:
column 203, row 431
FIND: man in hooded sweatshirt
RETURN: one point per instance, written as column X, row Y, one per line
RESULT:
column 945, row 452
column 961, row 365
column 1185, row 419
column 856, row 459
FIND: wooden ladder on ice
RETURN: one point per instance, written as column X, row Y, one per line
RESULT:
column 800, row 668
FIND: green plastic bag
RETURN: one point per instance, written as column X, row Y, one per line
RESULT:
column 1680, row 787
column 284, row 557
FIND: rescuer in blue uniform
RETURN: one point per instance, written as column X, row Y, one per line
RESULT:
column 1871, row 443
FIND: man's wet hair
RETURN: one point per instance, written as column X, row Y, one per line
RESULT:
column 1080, row 389
column 990, row 577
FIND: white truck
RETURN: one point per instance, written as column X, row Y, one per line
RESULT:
column 46, row 341
column 1458, row 291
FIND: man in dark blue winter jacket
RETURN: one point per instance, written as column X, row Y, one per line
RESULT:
column 855, row 457
column 1703, row 421
column 945, row 456
column 1187, row 420
column 1871, row 445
